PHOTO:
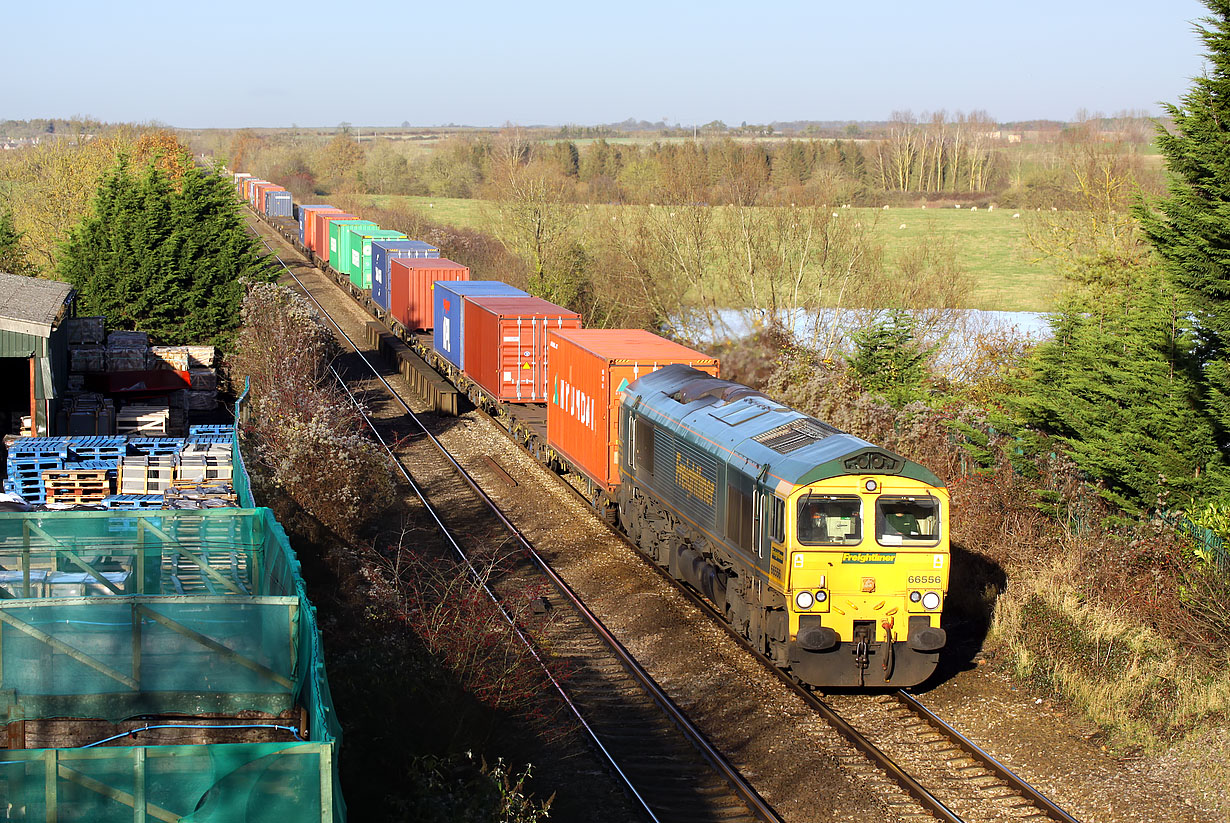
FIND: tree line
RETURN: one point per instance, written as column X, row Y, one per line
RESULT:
column 937, row 155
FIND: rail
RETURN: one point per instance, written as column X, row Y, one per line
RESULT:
column 747, row 793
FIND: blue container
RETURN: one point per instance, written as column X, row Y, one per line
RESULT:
column 301, row 216
column 448, row 335
column 279, row 204
column 385, row 250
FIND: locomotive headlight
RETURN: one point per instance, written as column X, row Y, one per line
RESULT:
column 915, row 597
column 804, row 600
column 931, row 601
column 822, row 596
column 871, row 485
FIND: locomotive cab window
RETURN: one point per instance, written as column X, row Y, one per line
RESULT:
column 830, row 521
column 907, row 521
column 777, row 528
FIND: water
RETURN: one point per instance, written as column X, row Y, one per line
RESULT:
column 964, row 338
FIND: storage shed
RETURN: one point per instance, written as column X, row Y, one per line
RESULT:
column 33, row 350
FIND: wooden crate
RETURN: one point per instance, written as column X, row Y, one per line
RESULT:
column 146, row 475
column 144, row 420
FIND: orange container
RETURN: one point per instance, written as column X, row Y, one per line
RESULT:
column 506, row 344
column 309, row 225
column 588, row 370
column 264, row 204
column 411, row 281
column 322, row 232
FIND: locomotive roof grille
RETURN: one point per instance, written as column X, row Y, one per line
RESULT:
column 795, row 435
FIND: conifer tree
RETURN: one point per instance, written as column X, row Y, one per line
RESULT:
column 1192, row 231
column 1116, row 388
column 167, row 261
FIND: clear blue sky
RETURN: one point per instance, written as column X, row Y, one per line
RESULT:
column 261, row 63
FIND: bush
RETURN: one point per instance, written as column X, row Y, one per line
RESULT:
column 306, row 436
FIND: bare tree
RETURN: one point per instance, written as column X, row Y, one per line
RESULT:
column 533, row 216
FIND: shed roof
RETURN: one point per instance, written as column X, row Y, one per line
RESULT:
column 30, row 305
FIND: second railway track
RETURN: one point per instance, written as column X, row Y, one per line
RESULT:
column 670, row 772
column 805, row 769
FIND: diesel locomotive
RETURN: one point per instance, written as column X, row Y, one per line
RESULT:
column 827, row 553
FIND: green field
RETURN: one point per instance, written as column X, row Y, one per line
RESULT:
column 990, row 245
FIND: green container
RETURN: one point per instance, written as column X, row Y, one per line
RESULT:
column 339, row 242
column 361, row 253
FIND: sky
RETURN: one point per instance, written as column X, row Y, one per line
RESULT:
column 383, row 62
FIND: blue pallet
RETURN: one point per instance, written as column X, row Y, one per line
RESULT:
column 133, row 501
column 35, row 448
column 207, row 439
column 92, row 465
column 99, row 453
column 35, row 470
column 99, row 447
column 209, row 429
column 156, row 446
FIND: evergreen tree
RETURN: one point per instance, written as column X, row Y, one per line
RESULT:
column 1117, row 388
column 888, row 359
column 1192, row 232
column 166, row 261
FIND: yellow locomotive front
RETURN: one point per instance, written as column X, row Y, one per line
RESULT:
column 867, row 562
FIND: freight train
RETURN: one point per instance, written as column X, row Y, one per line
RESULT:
column 827, row 553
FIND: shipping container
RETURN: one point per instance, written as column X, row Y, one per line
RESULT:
column 383, row 251
column 448, row 317
column 278, row 204
column 412, row 283
column 322, row 231
column 262, row 197
column 255, row 190
column 310, row 222
column 361, row 253
column 506, row 344
column 239, row 178
column 340, row 242
column 305, row 225
column 588, row 369
column 263, row 204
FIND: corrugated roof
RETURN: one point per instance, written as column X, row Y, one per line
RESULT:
column 30, row 305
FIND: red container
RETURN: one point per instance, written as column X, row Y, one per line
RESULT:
column 264, row 204
column 309, row 225
column 411, row 282
column 588, row 370
column 506, row 344
column 322, row 232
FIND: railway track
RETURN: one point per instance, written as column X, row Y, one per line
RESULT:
column 937, row 773
column 666, row 766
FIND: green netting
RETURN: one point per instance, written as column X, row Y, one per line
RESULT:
column 111, row 615
column 181, row 552
column 254, row 782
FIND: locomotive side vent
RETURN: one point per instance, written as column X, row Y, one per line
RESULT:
column 795, row 435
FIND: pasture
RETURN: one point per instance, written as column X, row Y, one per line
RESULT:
column 990, row 244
